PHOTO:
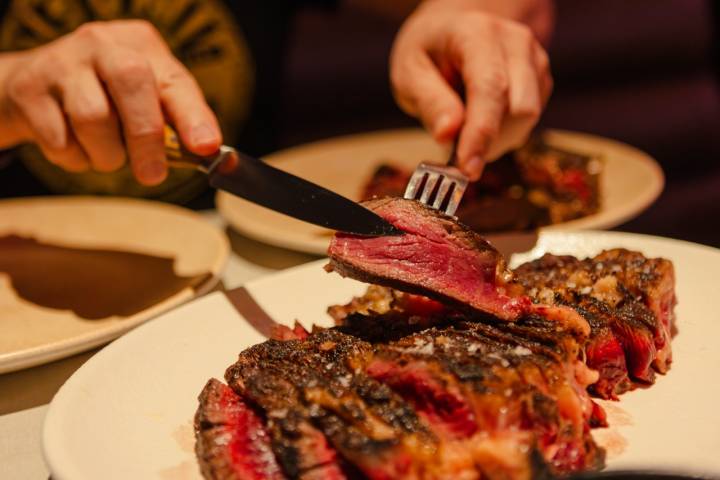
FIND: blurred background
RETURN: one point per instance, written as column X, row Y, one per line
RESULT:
column 643, row 72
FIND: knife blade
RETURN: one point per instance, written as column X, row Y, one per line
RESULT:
column 256, row 181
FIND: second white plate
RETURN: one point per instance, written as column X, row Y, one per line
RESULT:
column 32, row 334
column 632, row 180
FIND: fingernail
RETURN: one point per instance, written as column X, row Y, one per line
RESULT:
column 203, row 135
column 474, row 167
column 153, row 173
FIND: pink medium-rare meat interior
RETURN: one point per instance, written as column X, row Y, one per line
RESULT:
column 436, row 257
column 442, row 259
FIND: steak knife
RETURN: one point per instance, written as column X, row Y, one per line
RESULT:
column 270, row 187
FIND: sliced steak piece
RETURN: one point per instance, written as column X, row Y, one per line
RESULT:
column 231, row 440
column 439, row 258
column 472, row 381
column 651, row 281
column 323, row 384
column 610, row 291
column 436, row 257
column 299, row 446
column 605, row 354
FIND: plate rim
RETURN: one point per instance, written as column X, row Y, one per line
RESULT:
column 51, row 441
column 63, row 348
column 590, row 222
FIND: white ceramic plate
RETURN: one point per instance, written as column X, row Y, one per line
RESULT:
column 631, row 181
column 127, row 413
column 33, row 334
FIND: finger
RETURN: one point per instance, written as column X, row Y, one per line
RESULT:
column 486, row 84
column 93, row 120
column 524, row 83
column 71, row 158
column 542, row 66
column 40, row 110
column 525, row 96
column 423, row 92
column 187, row 109
column 48, row 127
column 133, row 89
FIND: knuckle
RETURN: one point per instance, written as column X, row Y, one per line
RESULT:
column 54, row 65
column 88, row 114
column 524, row 33
column 487, row 130
column 145, row 132
column 494, row 82
column 91, row 31
column 132, row 72
column 144, row 28
column 21, row 86
column 175, row 73
column 477, row 19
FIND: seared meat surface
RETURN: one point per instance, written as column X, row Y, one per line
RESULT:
column 628, row 301
column 461, row 399
column 231, row 438
column 440, row 258
column 449, row 367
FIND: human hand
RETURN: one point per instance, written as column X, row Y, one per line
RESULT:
column 103, row 90
column 446, row 45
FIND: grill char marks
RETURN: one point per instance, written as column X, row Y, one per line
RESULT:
column 651, row 281
column 231, row 440
column 314, row 389
column 458, row 399
column 480, row 384
column 628, row 301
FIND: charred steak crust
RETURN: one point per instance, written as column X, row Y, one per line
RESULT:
column 419, row 405
column 628, row 300
column 230, row 437
column 407, row 386
column 318, row 383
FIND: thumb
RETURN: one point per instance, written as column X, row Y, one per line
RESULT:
column 421, row 91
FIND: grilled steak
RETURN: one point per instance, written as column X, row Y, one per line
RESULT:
column 439, row 258
column 626, row 298
column 452, row 367
column 231, row 438
column 318, row 382
column 628, row 301
column 466, row 400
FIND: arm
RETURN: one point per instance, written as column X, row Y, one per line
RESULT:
column 103, row 90
column 488, row 49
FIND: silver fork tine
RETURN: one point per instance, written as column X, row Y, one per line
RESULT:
column 450, row 183
column 455, row 198
column 432, row 180
column 411, row 190
column 442, row 192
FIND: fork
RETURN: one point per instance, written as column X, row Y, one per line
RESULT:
column 438, row 186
